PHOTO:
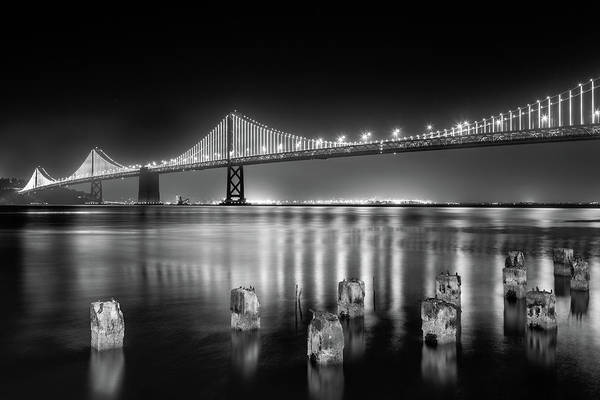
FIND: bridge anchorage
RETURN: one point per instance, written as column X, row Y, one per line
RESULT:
column 238, row 141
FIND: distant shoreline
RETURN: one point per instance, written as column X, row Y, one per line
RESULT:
column 350, row 205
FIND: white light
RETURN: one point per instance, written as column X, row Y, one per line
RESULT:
column 396, row 132
column 544, row 118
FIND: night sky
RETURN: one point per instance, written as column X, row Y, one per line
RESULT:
column 146, row 86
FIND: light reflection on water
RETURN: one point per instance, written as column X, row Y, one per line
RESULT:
column 172, row 269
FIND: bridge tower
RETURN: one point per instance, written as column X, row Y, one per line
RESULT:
column 96, row 192
column 96, row 189
column 148, row 192
column 235, row 173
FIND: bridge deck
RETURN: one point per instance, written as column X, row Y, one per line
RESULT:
column 441, row 142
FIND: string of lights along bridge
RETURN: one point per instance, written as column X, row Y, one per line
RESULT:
column 239, row 140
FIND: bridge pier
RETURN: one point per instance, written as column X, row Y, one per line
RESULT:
column 96, row 191
column 235, row 186
column 149, row 189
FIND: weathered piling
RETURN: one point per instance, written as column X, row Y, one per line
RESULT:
column 580, row 275
column 325, row 339
column 541, row 309
column 351, row 298
column 448, row 288
column 515, row 259
column 514, row 276
column 245, row 309
column 563, row 259
column 439, row 321
column 107, row 325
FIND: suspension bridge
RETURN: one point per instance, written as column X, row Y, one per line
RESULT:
column 238, row 140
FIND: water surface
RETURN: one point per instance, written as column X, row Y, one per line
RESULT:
column 172, row 268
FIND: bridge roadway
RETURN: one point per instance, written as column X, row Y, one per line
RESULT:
column 519, row 137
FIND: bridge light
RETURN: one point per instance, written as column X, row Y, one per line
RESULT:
column 429, row 127
column 396, row 132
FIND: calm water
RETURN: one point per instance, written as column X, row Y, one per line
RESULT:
column 172, row 269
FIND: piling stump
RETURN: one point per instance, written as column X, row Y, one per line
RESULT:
column 447, row 288
column 440, row 321
column 563, row 258
column 514, row 276
column 325, row 339
column 580, row 275
column 515, row 259
column 351, row 298
column 245, row 309
column 541, row 309
column 107, row 325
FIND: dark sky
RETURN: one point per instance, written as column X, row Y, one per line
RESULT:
column 147, row 85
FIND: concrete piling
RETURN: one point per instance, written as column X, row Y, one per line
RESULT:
column 447, row 288
column 515, row 259
column 107, row 325
column 325, row 339
column 245, row 309
column 541, row 309
column 562, row 258
column 580, row 275
column 440, row 321
column 514, row 276
column 351, row 298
